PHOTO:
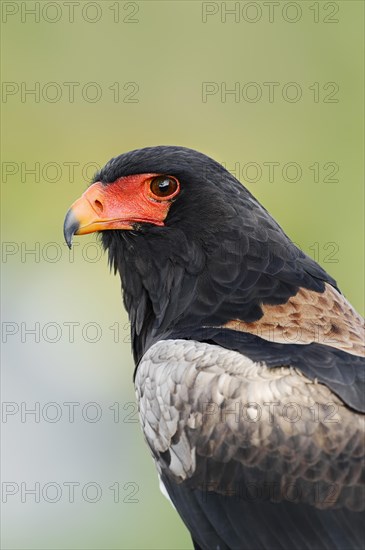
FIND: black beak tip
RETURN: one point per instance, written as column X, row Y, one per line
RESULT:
column 70, row 226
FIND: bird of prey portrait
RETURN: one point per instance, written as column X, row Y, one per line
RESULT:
column 250, row 374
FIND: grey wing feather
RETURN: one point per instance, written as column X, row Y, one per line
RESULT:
column 232, row 438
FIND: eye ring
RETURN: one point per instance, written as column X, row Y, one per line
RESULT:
column 163, row 187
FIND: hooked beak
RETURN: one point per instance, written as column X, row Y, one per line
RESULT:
column 94, row 211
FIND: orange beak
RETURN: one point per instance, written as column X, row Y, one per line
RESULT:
column 93, row 211
column 121, row 205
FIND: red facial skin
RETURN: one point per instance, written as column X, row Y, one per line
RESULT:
column 121, row 204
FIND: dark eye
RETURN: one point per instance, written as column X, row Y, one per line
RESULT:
column 163, row 186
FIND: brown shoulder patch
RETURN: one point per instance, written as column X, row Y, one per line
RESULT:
column 307, row 317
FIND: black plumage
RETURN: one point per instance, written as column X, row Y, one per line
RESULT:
column 220, row 253
column 201, row 289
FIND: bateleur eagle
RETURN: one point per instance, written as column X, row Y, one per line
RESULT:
column 249, row 360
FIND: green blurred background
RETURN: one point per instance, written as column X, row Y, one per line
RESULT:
column 157, row 56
